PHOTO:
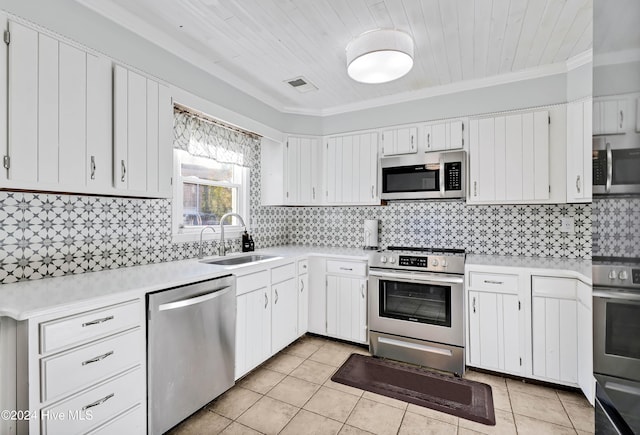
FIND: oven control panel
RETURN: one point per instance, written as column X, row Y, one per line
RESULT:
column 635, row 275
column 408, row 260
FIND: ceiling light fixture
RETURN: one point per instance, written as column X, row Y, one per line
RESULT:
column 380, row 56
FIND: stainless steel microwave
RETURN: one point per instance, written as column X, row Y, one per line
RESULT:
column 616, row 164
column 423, row 176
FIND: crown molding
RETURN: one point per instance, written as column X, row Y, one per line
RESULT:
column 617, row 57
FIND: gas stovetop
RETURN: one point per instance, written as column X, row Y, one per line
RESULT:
column 616, row 272
column 419, row 259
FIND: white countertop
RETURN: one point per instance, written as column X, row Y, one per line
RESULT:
column 27, row 299
column 560, row 267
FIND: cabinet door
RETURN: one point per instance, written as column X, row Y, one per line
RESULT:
column 555, row 338
column 346, row 308
column 315, row 159
column 284, row 320
column 579, row 172
column 99, row 121
column 439, row 136
column 346, row 165
column 331, row 170
column 253, row 330
column 406, row 140
column 485, row 189
column 495, row 340
column 388, row 142
column 303, row 304
column 136, row 163
column 585, row 341
column 368, row 169
column 293, row 171
column 456, row 140
column 610, row 117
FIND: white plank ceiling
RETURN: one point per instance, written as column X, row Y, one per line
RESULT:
column 264, row 42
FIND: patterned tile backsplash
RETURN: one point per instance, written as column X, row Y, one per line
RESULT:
column 616, row 227
column 526, row 230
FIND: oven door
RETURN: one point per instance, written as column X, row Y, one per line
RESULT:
column 418, row 305
column 616, row 328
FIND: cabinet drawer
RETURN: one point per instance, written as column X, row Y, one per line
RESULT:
column 559, row 288
column 493, row 282
column 303, row 266
column 104, row 402
column 355, row 268
column 68, row 371
column 283, row 273
column 90, row 325
column 131, row 421
column 251, row 282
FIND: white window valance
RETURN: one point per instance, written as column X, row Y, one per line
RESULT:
column 202, row 137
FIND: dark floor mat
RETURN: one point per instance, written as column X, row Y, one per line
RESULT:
column 460, row 397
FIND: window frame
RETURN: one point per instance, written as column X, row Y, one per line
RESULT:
column 180, row 233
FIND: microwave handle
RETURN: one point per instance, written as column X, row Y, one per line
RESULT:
column 441, row 173
column 607, row 188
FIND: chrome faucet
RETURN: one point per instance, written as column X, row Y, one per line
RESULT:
column 222, row 250
column 200, row 253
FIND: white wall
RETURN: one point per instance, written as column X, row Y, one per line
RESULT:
column 615, row 79
column 580, row 82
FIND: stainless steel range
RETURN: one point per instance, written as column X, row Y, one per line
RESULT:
column 416, row 306
column 616, row 344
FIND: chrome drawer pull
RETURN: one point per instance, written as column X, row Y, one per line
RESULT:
column 98, row 402
column 98, row 358
column 276, row 301
column 474, row 304
column 346, row 268
column 488, row 281
column 301, row 286
column 93, row 167
column 266, row 301
column 97, row 321
column 123, row 170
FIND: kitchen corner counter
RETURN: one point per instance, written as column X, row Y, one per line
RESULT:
column 27, row 299
column 559, row 267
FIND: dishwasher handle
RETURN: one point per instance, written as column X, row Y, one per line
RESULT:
column 196, row 300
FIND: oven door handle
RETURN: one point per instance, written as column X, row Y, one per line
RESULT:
column 606, row 294
column 418, row 276
column 441, row 174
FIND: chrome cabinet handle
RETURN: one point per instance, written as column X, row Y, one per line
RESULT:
column 412, row 147
column 362, row 290
column 475, row 188
column 97, row 321
column 301, row 285
column 488, row 281
column 276, row 300
column 98, row 358
column 98, row 402
column 93, row 167
column 313, row 192
column 428, row 141
column 346, row 268
column 266, row 301
column 578, row 183
column 621, row 118
column 474, row 304
column 372, row 192
column 123, row 170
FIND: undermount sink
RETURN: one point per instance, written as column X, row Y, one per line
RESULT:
column 233, row 261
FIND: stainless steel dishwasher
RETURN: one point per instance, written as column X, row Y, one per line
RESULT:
column 190, row 349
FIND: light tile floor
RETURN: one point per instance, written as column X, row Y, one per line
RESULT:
column 292, row 394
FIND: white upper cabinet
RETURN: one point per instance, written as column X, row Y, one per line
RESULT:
column 59, row 115
column 442, row 136
column 509, row 159
column 579, row 146
column 303, row 174
column 143, row 119
column 351, row 173
column 610, row 116
column 400, row 141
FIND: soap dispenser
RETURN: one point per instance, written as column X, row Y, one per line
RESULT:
column 246, row 244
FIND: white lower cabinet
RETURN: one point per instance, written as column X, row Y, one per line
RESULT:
column 267, row 318
column 530, row 325
column 496, row 338
column 90, row 382
column 347, row 308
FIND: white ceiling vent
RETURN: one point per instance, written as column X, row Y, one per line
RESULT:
column 301, row 84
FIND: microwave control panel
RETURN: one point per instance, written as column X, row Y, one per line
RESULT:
column 453, row 176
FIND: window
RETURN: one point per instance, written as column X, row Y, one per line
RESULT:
column 211, row 164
